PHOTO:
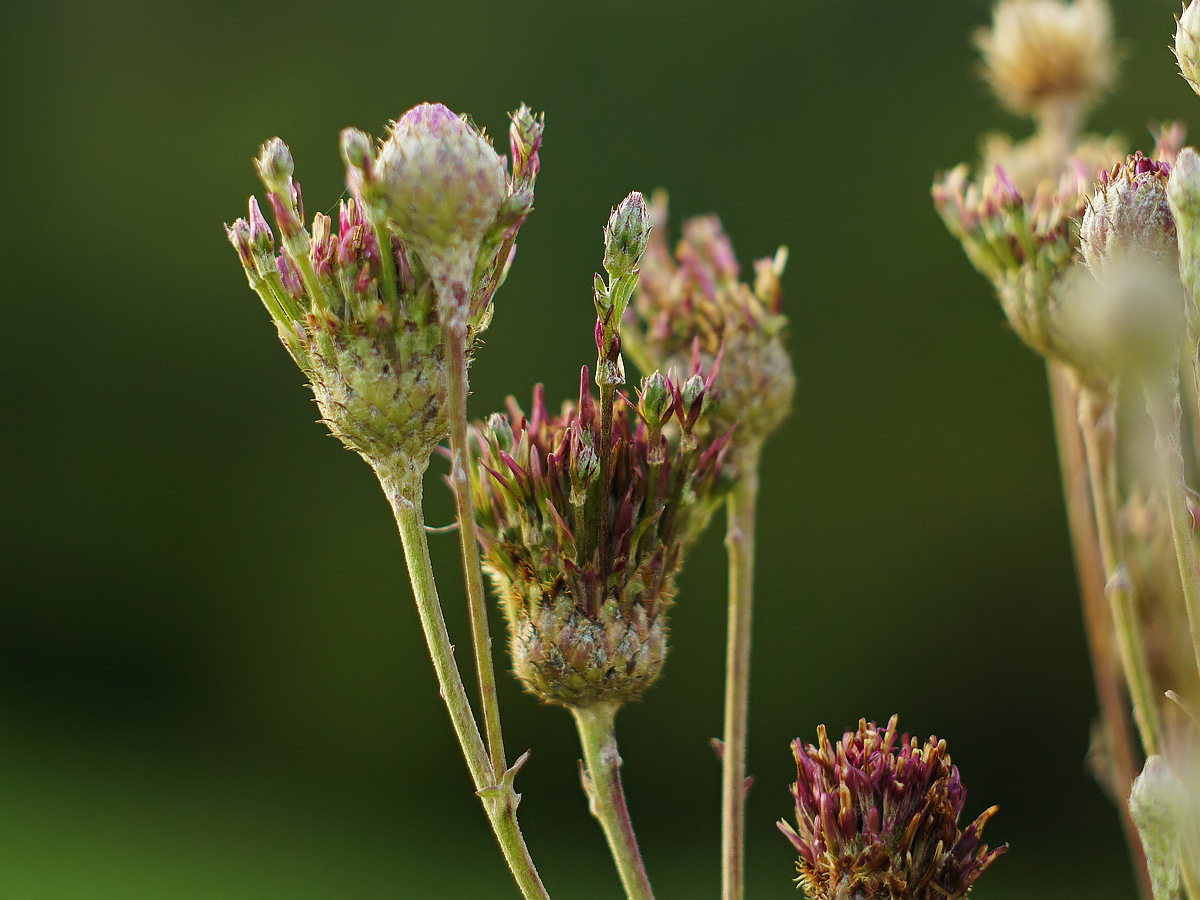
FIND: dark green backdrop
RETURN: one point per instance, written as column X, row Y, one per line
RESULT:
column 212, row 682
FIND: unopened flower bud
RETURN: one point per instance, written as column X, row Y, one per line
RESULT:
column 587, row 466
column 500, row 432
column 626, row 235
column 654, row 403
column 444, row 187
column 1129, row 215
column 275, row 167
column 692, row 393
column 1187, row 44
column 525, row 140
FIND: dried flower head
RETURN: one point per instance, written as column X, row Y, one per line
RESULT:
column 356, row 304
column 586, row 600
column 877, row 817
column 691, row 309
column 1048, row 58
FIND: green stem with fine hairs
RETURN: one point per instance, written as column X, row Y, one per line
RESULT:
column 403, row 490
column 460, row 462
column 606, row 796
column 739, row 543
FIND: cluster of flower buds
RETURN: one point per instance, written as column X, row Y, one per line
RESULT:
column 877, row 816
column 360, row 307
column 1023, row 245
column 693, row 313
column 586, row 570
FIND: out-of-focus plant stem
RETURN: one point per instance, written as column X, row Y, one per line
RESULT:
column 1089, row 567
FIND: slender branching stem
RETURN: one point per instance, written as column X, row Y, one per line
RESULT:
column 1089, row 566
column 1097, row 422
column 739, row 543
column 606, row 796
column 1166, row 414
column 460, row 462
column 499, row 800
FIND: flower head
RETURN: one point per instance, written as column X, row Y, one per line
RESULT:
column 877, row 817
column 1047, row 57
column 1129, row 215
column 586, row 601
column 1023, row 245
column 355, row 300
column 692, row 310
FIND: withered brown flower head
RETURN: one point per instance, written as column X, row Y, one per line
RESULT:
column 877, row 819
column 586, row 600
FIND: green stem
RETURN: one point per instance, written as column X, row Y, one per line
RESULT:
column 1097, row 422
column 456, row 403
column 606, row 796
column 1166, row 413
column 739, row 543
column 403, row 491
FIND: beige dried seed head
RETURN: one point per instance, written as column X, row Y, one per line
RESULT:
column 1041, row 54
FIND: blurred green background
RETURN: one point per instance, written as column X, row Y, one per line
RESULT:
column 212, row 680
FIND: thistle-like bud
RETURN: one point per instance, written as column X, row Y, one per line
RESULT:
column 586, row 600
column 877, row 816
column 357, row 308
column 1048, row 58
column 445, row 189
column 1129, row 215
column 1187, row 44
column 1132, row 315
column 692, row 311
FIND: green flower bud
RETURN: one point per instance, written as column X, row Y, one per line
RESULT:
column 654, row 402
column 1187, row 44
column 275, row 166
column 625, row 236
column 445, row 186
